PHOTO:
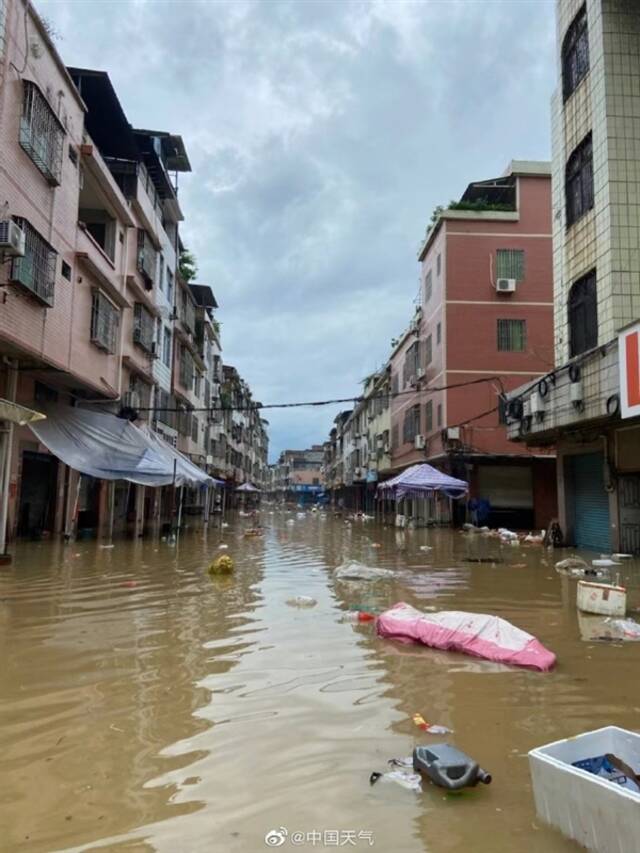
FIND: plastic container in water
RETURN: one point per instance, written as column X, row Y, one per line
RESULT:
column 448, row 767
column 575, row 791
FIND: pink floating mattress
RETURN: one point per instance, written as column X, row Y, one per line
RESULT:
column 477, row 634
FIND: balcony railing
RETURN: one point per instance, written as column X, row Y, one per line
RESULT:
column 143, row 328
column 187, row 367
column 36, row 270
column 187, row 313
column 127, row 173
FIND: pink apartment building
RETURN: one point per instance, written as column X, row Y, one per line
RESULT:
column 485, row 324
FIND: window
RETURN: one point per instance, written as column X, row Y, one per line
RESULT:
column 143, row 327
column 439, row 414
column 411, row 363
column 502, row 409
column 429, row 348
column 578, row 182
column 169, row 285
column 36, row 269
column 439, row 333
column 395, row 384
column 196, row 384
column 428, row 286
column 41, row 134
column 510, row 264
column 73, row 154
column 161, row 274
column 186, row 368
column 438, row 264
column 44, row 394
column 411, row 424
column 66, row 270
column 166, row 347
column 428, row 410
column 512, row 335
column 104, row 322
column 583, row 315
column 147, row 258
column 194, row 428
column 395, row 436
column 575, row 53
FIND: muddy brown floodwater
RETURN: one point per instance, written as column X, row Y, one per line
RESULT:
column 145, row 706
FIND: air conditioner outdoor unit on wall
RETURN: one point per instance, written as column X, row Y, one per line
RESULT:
column 419, row 442
column 453, row 433
column 506, row 285
column 209, row 460
column 12, row 238
column 420, row 373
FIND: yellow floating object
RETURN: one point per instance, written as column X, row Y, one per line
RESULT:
column 221, row 566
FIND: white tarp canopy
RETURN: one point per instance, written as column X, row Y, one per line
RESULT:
column 18, row 414
column 110, row 448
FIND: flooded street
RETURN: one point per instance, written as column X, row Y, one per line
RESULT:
column 147, row 706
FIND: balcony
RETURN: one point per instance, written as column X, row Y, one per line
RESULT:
column 147, row 261
column 36, row 270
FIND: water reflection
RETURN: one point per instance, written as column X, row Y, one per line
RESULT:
column 147, row 706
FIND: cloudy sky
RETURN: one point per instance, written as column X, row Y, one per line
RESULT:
column 321, row 136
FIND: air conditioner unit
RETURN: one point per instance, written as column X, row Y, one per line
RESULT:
column 575, row 393
column 131, row 399
column 154, row 349
column 536, row 403
column 209, row 460
column 419, row 442
column 12, row 238
column 412, row 380
column 420, row 373
column 453, row 433
column 506, row 285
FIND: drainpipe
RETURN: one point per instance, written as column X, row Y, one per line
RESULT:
column 5, row 474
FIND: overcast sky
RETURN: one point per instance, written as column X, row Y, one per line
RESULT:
column 321, row 136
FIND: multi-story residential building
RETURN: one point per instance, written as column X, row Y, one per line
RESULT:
column 246, row 441
column 298, row 475
column 333, row 458
column 587, row 403
column 484, row 324
column 88, row 299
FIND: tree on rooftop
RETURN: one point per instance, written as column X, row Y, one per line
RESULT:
column 187, row 265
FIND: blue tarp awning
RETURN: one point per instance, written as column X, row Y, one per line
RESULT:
column 420, row 481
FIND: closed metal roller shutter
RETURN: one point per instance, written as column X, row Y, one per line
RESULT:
column 590, row 502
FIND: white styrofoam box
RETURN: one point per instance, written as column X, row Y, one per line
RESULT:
column 604, row 599
column 600, row 815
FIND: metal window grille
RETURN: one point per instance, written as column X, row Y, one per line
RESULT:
column 439, row 410
column 510, row 264
column 187, row 313
column 411, row 424
column 583, row 314
column 429, row 349
column 575, row 53
column 169, row 285
column 143, row 327
column 512, row 335
column 429, row 416
column 428, row 286
column 186, row 368
column 36, row 269
column 438, row 333
column 164, row 403
column 41, row 134
column 166, row 348
column 105, row 320
column 579, row 181
column 147, row 257
column 194, row 428
column 438, row 264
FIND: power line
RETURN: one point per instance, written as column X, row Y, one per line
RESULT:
column 257, row 407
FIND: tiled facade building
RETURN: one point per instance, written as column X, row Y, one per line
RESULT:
column 596, row 249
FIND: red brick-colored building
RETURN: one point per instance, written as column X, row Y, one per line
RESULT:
column 484, row 326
